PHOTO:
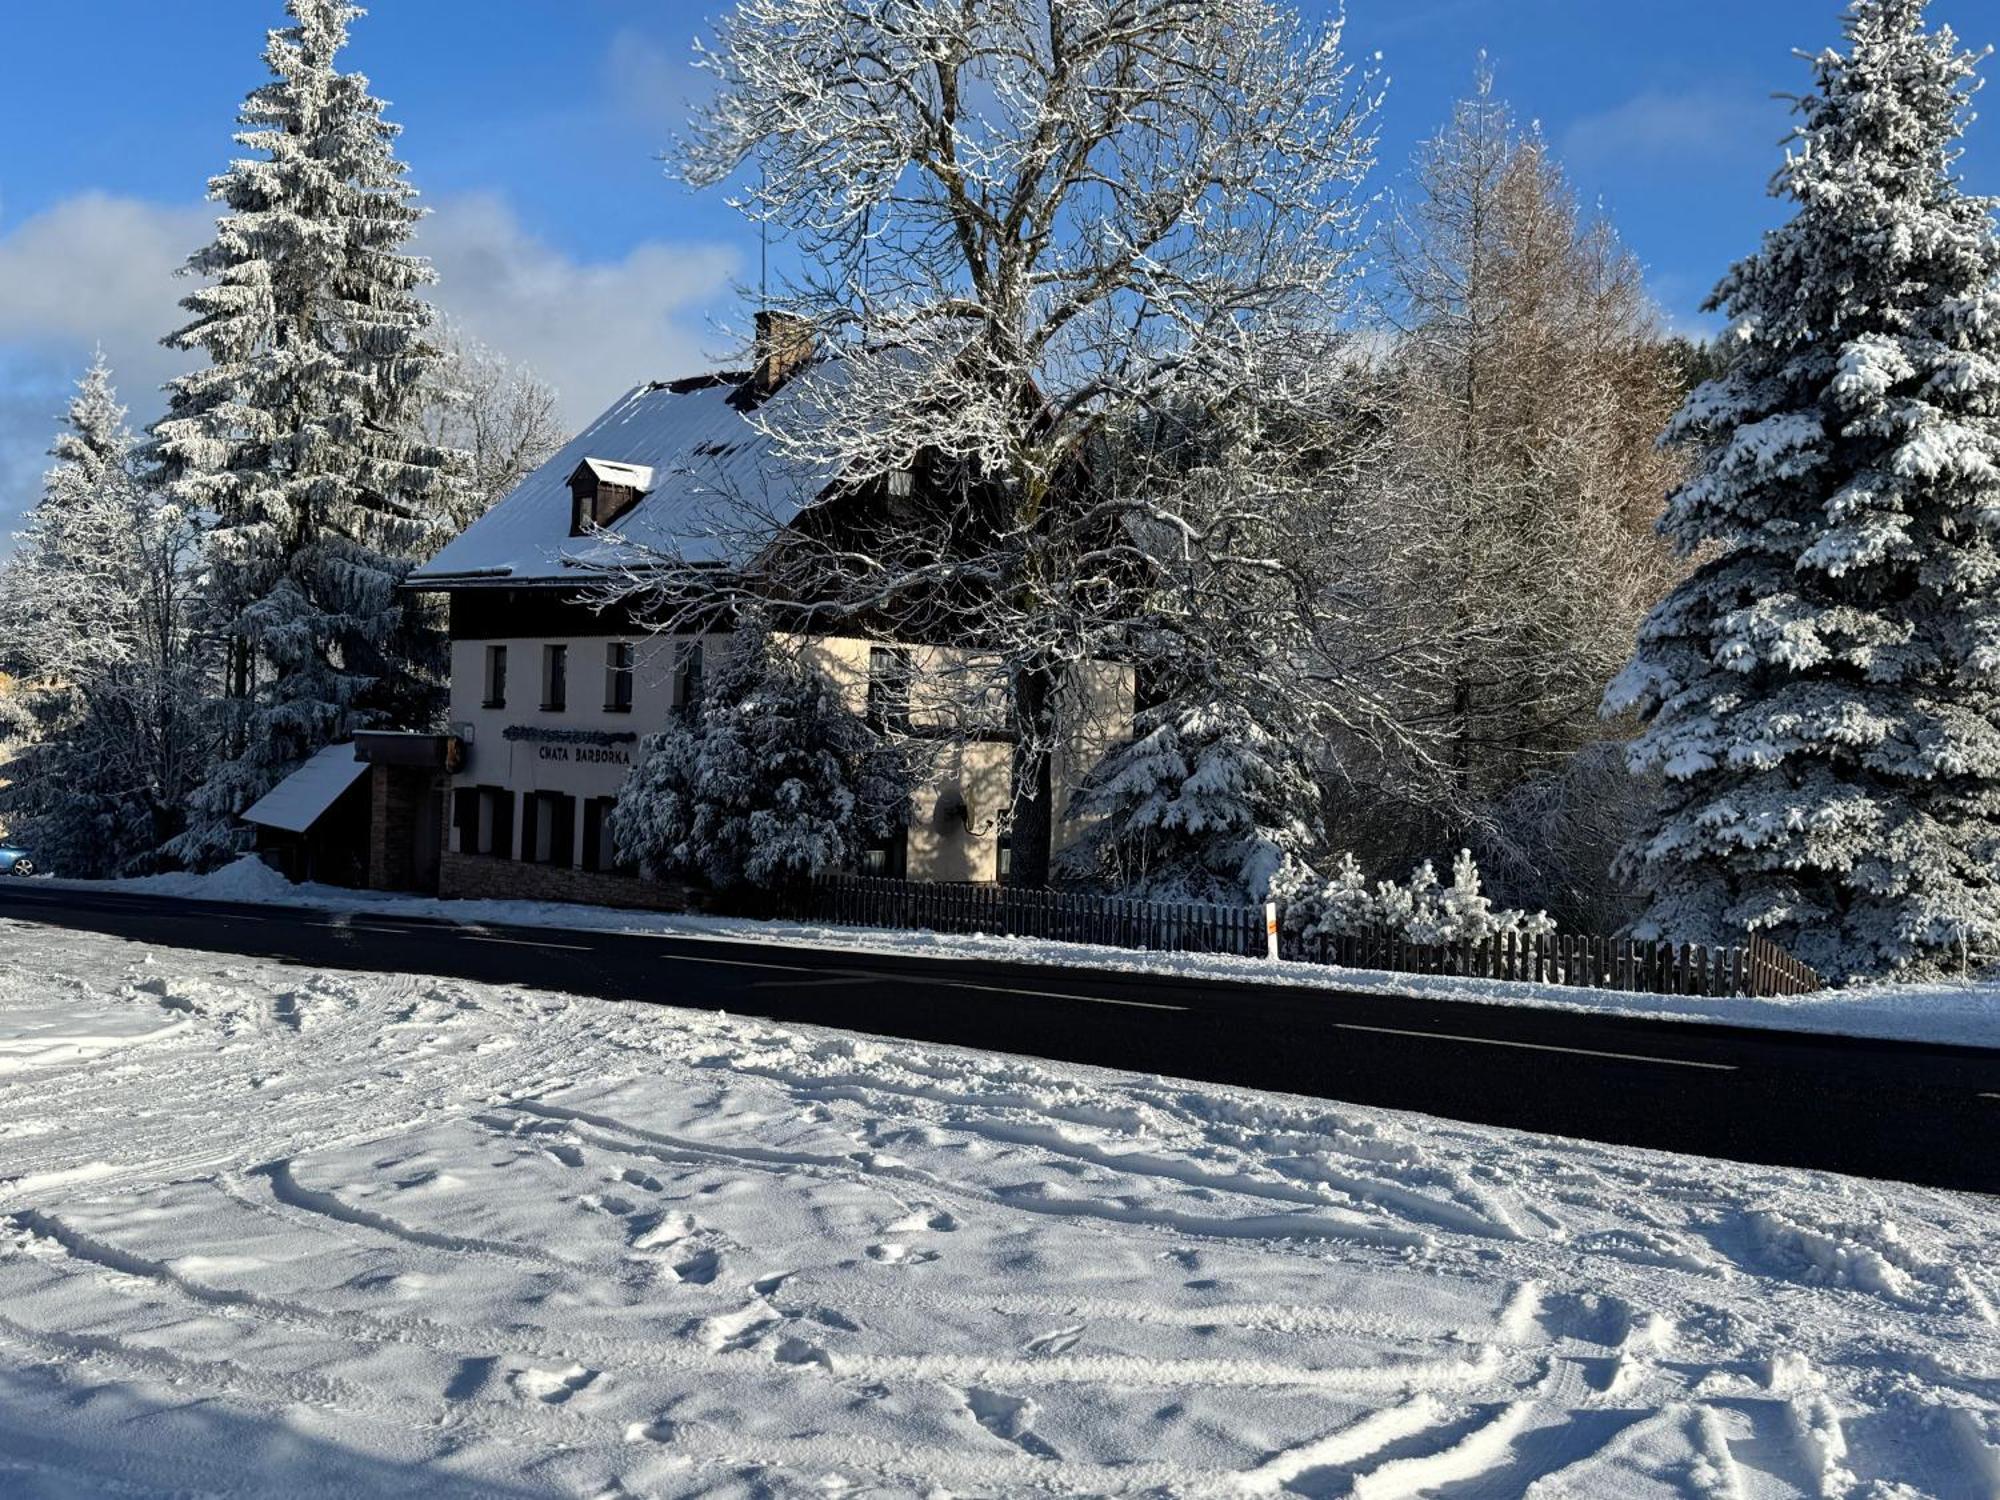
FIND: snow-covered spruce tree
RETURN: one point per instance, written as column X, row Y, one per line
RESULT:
column 1021, row 226
column 1206, row 803
column 773, row 782
column 296, row 436
column 94, row 621
column 1823, row 694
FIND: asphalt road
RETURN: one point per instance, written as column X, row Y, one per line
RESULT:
column 1915, row 1112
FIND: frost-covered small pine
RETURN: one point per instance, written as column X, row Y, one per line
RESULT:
column 296, row 435
column 1822, row 694
column 93, row 621
column 774, row 782
column 1205, row 804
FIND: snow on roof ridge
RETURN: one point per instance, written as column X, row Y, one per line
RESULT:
column 705, row 466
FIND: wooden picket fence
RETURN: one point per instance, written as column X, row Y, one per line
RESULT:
column 1758, row 967
column 1064, row 916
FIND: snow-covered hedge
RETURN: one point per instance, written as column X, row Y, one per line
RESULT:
column 1422, row 910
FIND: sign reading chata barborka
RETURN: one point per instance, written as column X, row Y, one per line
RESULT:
column 590, row 747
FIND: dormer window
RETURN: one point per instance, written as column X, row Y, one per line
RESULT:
column 601, row 491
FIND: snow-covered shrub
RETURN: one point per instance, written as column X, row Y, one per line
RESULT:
column 1555, row 836
column 1205, row 804
column 1422, row 910
column 773, row 782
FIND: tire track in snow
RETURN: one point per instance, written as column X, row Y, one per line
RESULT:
column 1369, row 1435
column 1469, row 1458
column 861, row 1166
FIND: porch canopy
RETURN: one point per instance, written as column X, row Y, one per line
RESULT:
column 302, row 798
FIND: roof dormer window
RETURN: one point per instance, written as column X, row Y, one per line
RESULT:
column 601, row 491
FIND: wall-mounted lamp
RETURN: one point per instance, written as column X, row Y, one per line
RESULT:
column 952, row 805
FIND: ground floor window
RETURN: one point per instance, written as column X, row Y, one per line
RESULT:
column 484, row 819
column 890, row 858
column 550, row 830
column 599, row 850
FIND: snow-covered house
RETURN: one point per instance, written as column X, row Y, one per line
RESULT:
column 552, row 691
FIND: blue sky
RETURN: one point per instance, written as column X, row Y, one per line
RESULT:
column 533, row 128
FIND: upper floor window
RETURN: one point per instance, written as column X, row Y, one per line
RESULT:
column 496, row 677
column 687, row 679
column 555, row 678
column 889, row 675
column 618, row 677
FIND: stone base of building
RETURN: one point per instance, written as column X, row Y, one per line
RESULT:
column 483, row 877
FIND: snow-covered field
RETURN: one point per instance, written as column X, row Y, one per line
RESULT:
column 271, row 1230
column 1958, row 1014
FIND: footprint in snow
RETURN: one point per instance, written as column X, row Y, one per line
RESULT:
column 1008, row 1418
column 1061, row 1341
column 699, row 1269
column 900, row 1255
column 553, row 1387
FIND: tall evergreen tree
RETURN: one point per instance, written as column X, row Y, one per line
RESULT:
column 297, row 436
column 94, row 622
column 1823, row 693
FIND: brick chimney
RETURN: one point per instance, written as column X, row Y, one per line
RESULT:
column 784, row 344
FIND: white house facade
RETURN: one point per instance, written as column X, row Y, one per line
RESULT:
column 552, row 693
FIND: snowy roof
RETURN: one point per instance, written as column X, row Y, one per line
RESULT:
column 708, row 470
column 302, row 798
column 632, row 476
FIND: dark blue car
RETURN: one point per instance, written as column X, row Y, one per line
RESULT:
column 14, row 860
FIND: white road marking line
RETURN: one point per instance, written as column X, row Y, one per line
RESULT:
column 744, row 963
column 1990, row 1096
column 1494, row 1041
column 524, row 943
column 996, row 989
column 954, row 984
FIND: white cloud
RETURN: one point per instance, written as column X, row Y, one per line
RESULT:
column 1671, row 124
column 592, row 329
column 90, row 270
column 99, row 270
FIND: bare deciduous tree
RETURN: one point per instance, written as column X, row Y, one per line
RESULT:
column 503, row 417
column 1526, row 382
column 1037, row 235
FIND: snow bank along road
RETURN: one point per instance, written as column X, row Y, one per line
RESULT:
column 1918, row 1113
column 279, row 1229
